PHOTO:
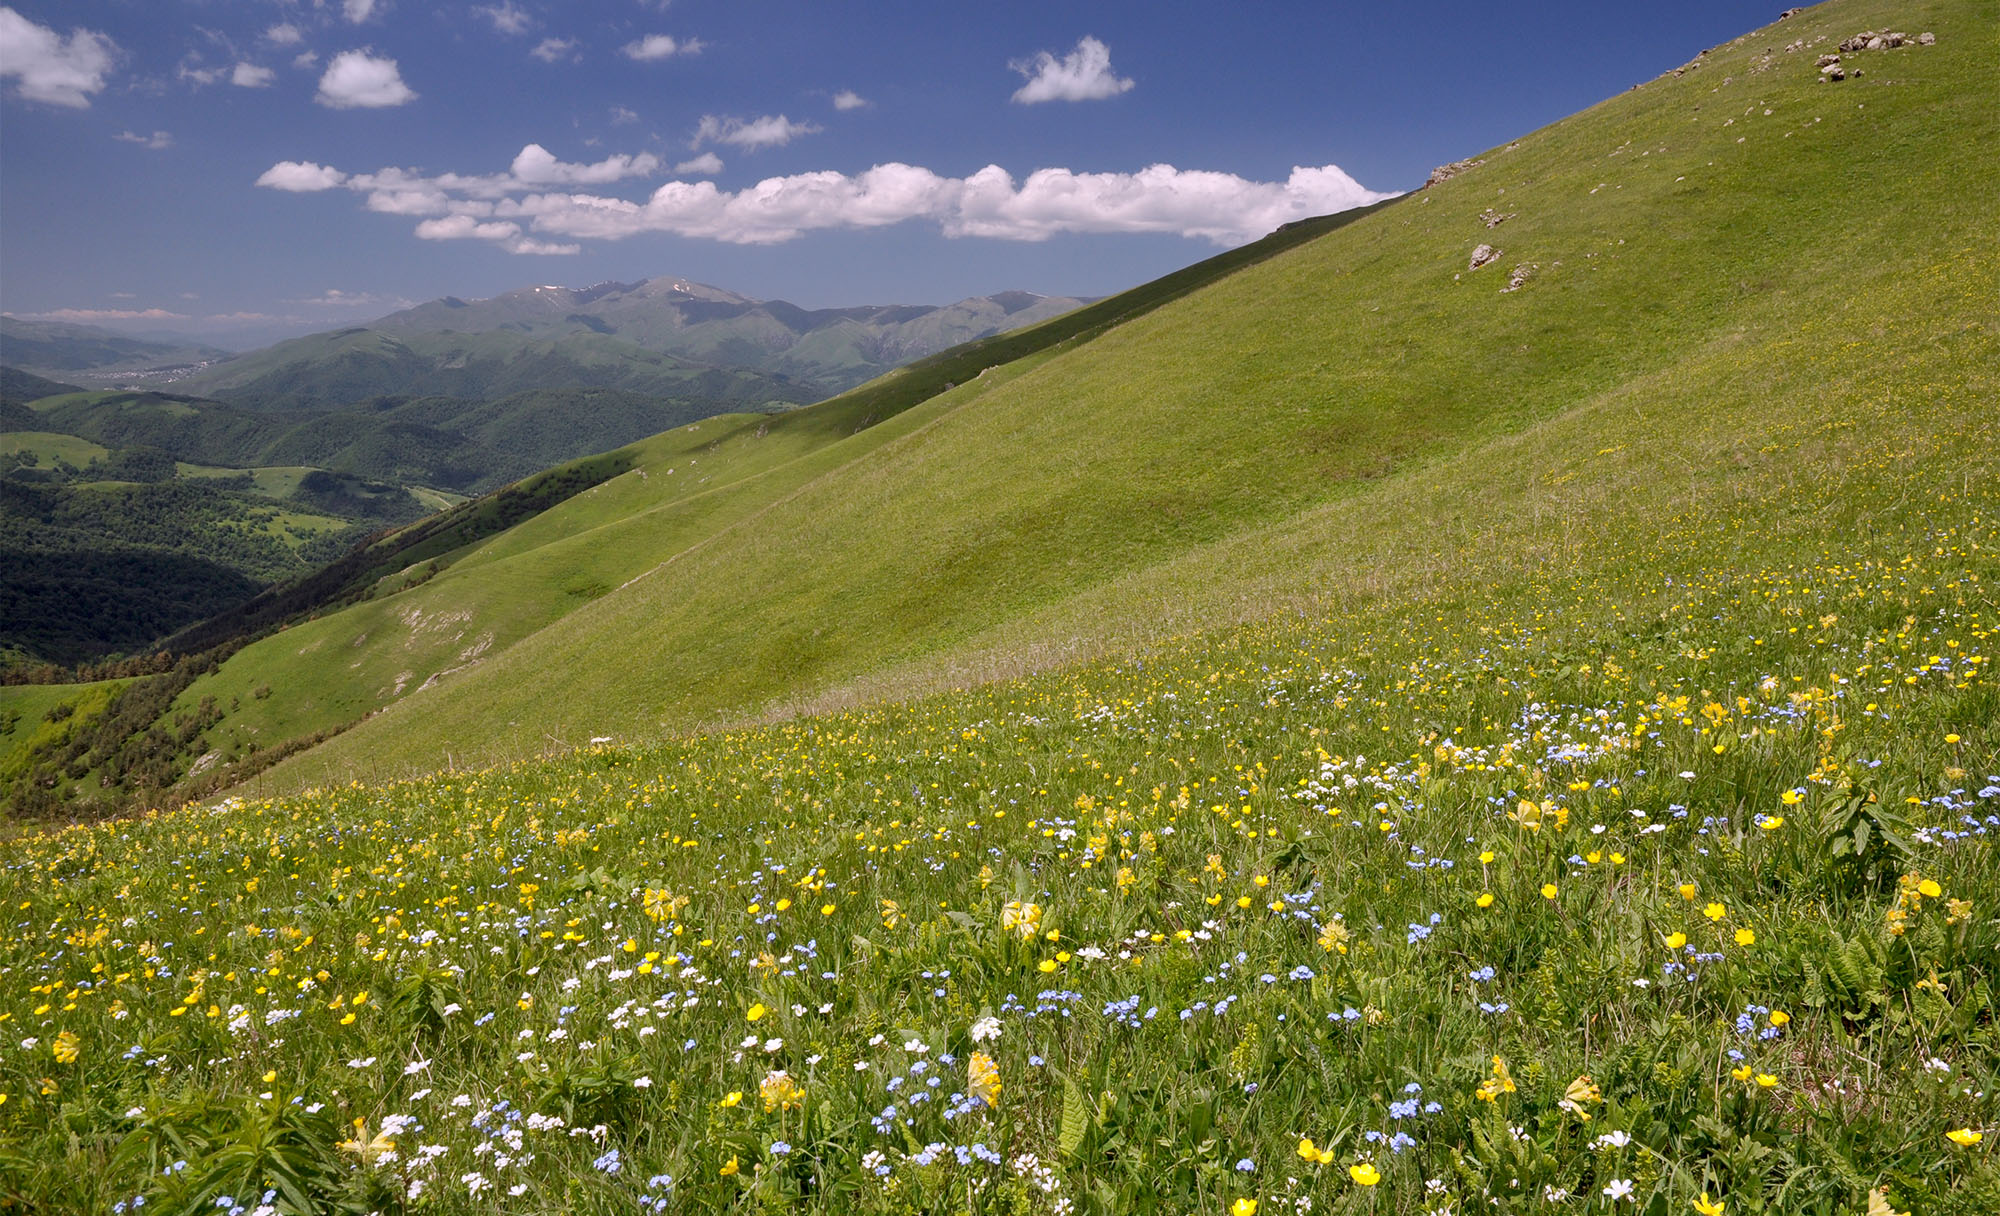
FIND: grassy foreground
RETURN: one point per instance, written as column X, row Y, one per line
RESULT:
column 1655, row 887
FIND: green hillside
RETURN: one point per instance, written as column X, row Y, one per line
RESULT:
column 1344, row 737
column 1367, row 381
column 404, row 599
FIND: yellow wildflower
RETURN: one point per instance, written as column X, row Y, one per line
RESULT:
column 1364, row 1174
column 779, row 1091
column 982, row 1078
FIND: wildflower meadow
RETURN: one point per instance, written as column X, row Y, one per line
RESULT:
column 1675, row 897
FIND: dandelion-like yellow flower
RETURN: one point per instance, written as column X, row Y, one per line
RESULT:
column 1964, row 1137
column 1548, row 890
column 1746, row 937
column 729, row 1167
column 1715, row 912
column 1709, row 1207
column 1485, row 899
column 1364, row 1174
column 1676, row 940
column 1243, row 1207
column 755, row 1011
column 1929, row 888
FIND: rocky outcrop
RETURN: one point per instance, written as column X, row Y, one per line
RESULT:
column 1445, row 173
column 1832, row 67
column 1481, row 256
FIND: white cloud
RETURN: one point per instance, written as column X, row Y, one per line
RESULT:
column 48, row 67
column 621, row 115
column 770, row 131
column 506, row 235
column 301, row 177
column 507, row 17
column 199, row 77
column 660, row 46
column 284, row 34
column 531, row 208
column 355, row 79
column 459, row 227
column 706, row 165
column 548, row 50
column 537, row 166
column 250, row 76
column 305, row 59
column 156, row 141
column 1082, row 75
column 358, row 11
column 848, row 99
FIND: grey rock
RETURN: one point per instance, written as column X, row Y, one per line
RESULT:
column 1481, row 256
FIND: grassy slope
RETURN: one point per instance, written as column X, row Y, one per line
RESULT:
column 1679, row 271
column 496, row 590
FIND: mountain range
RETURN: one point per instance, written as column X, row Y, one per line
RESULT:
column 664, row 337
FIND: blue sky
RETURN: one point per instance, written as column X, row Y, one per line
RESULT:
column 240, row 168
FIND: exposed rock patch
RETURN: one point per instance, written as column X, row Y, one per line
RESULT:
column 1521, row 275
column 1444, row 173
column 1481, row 256
column 1493, row 219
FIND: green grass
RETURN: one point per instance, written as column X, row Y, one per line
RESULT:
column 1362, row 381
column 36, row 717
column 1613, row 717
column 49, row 448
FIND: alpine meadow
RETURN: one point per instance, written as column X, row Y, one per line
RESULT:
column 1480, row 702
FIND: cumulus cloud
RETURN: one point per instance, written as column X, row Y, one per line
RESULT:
column 848, row 99
column 305, row 59
column 548, row 50
column 356, row 79
column 1082, row 75
column 507, row 17
column 770, row 131
column 660, row 46
column 49, row 67
column 537, row 166
column 301, row 177
column 706, row 165
column 284, row 34
column 157, row 140
column 250, row 76
column 358, row 11
column 535, row 207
